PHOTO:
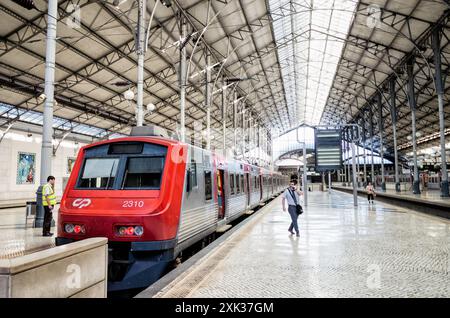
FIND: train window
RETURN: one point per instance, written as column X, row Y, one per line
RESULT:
column 231, row 184
column 242, row 183
column 143, row 173
column 256, row 182
column 238, row 184
column 98, row 173
column 208, row 185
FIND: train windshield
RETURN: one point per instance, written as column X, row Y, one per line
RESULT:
column 123, row 165
column 143, row 173
column 99, row 173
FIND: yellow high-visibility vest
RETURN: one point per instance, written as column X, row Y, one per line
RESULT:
column 51, row 197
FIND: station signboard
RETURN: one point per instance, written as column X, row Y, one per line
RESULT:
column 328, row 151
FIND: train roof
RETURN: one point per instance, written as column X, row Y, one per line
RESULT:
column 173, row 142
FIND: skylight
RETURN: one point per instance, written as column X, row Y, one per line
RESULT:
column 37, row 118
column 310, row 36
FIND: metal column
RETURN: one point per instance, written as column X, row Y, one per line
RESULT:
column 393, row 109
column 208, row 100
column 224, row 117
column 355, row 188
column 381, row 128
column 259, row 144
column 436, row 42
column 47, row 129
column 357, row 165
column 364, row 152
column 244, row 132
column 346, row 157
column 305, row 175
column 412, row 105
column 329, row 181
column 183, row 79
column 349, row 175
column 140, row 51
column 235, row 124
column 372, row 166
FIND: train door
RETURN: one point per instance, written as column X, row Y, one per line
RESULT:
column 247, row 186
column 221, row 193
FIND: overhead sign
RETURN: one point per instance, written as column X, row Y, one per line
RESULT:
column 328, row 144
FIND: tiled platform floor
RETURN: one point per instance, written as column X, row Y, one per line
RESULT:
column 15, row 239
column 369, row 251
column 429, row 195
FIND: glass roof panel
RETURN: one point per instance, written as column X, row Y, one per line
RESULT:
column 30, row 116
column 310, row 36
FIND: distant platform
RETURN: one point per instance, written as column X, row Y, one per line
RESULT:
column 378, row 250
column 429, row 202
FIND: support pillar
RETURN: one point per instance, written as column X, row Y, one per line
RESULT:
column 235, row 119
column 208, row 100
column 381, row 128
column 224, row 118
column 355, row 188
column 305, row 175
column 140, row 51
column 393, row 109
column 47, row 129
column 243, row 132
column 436, row 43
column 372, row 165
column 412, row 105
column 329, row 181
column 364, row 152
column 183, row 80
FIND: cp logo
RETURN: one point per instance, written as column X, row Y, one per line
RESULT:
column 81, row 203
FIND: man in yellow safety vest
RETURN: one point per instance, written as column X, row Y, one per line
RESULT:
column 49, row 202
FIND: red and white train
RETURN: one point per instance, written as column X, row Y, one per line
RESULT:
column 153, row 197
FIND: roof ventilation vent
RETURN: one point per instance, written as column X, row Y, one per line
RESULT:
column 152, row 130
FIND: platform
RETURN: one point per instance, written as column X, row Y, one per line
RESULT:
column 369, row 251
column 427, row 202
column 428, row 195
column 17, row 240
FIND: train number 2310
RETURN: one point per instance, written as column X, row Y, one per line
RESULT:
column 133, row 204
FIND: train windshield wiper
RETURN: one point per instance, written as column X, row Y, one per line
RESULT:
column 110, row 175
column 124, row 179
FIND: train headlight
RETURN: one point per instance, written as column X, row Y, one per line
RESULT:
column 69, row 228
column 74, row 228
column 130, row 230
column 138, row 230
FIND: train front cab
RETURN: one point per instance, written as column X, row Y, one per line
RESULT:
column 129, row 191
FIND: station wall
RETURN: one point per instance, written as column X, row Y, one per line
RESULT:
column 17, row 151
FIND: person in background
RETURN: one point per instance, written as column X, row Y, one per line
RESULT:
column 292, row 196
column 370, row 192
column 49, row 202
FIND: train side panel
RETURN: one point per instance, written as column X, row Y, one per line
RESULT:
column 199, row 210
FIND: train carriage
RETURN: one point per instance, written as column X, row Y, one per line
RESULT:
column 153, row 197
